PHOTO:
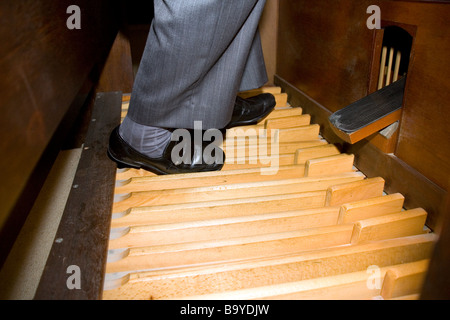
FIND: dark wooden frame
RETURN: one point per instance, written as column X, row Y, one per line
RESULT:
column 83, row 233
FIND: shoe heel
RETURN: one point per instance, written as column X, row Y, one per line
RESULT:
column 122, row 165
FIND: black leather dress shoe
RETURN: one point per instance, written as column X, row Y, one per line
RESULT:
column 252, row 110
column 199, row 161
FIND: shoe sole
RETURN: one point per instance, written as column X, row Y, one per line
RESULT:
column 124, row 165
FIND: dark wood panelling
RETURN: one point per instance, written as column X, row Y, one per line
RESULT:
column 325, row 48
column 44, row 66
column 424, row 141
column 117, row 74
column 327, row 55
column 437, row 282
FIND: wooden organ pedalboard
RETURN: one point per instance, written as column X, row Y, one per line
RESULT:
column 317, row 229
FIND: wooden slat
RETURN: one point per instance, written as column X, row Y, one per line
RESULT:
column 404, row 280
column 160, row 246
column 305, row 154
column 240, row 207
column 416, row 296
column 242, row 129
column 253, row 148
column 288, row 122
column 127, row 173
column 329, row 165
column 288, row 148
column 305, row 133
column 369, row 208
column 188, row 212
column 281, row 100
column 332, row 165
column 282, row 113
column 355, row 191
column 125, row 105
column 254, row 145
column 277, row 123
column 255, row 92
column 394, row 225
column 252, row 162
column 233, row 191
column 349, row 286
column 380, row 228
column 244, row 139
column 192, row 281
column 234, row 163
column 247, row 137
column 204, row 179
column 199, row 244
column 217, row 229
column 213, row 251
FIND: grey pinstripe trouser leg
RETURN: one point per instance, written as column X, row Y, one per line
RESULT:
column 198, row 55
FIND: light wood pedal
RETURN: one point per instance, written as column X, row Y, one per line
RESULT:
column 215, row 278
column 312, row 228
column 349, row 286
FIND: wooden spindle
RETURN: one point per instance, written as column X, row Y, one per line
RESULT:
column 389, row 71
column 382, row 68
column 397, row 66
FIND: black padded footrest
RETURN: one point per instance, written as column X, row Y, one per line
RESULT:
column 369, row 109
